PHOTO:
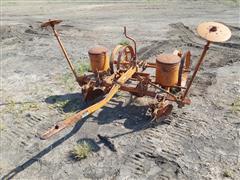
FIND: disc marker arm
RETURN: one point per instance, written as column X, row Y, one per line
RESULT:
column 52, row 24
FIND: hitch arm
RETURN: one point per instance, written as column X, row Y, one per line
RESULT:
column 80, row 115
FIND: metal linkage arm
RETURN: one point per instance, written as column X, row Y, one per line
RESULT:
column 73, row 119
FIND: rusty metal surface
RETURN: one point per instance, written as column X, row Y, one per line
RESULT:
column 99, row 59
column 51, row 23
column 167, row 69
column 134, row 42
column 214, row 32
column 196, row 69
column 167, row 87
column 162, row 111
column 63, row 124
column 122, row 56
column 98, row 50
column 168, row 59
column 126, row 55
column 184, row 69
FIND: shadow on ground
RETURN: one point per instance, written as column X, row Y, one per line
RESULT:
column 133, row 116
column 42, row 153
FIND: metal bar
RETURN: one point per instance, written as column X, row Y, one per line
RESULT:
column 141, row 74
column 151, row 65
column 175, row 98
column 64, row 52
column 196, row 69
column 135, row 90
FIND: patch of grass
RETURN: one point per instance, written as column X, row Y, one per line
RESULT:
column 29, row 107
column 82, row 67
column 59, row 105
column 231, row 2
column 81, row 151
column 227, row 174
column 68, row 105
column 68, row 81
column 9, row 107
column 7, row 3
column 124, row 42
column 236, row 1
column 68, row 77
column 236, row 106
column 2, row 127
column 17, row 108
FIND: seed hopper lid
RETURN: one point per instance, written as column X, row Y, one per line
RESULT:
column 168, row 59
column 214, row 32
column 98, row 50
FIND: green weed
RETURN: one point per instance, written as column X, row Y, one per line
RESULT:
column 29, row 107
column 9, row 107
column 68, row 81
column 59, row 105
column 17, row 108
column 81, row 151
column 82, row 68
column 8, row 3
column 2, row 126
column 236, row 106
column 124, row 42
column 231, row 2
column 227, row 174
column 69, row 105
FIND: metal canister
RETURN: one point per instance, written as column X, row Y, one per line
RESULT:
column 99, row 59
column 167, row 69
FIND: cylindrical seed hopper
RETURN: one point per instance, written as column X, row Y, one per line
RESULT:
column 99, row 59
column 167, row 69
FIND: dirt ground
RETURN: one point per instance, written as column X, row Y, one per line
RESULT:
column 200, row 141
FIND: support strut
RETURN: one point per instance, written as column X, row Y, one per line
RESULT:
column 206, row 47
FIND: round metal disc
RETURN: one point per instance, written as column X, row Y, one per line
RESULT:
column 51, row 23
column 214, row 32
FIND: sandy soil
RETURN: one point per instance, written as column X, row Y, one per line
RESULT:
column 201, row 141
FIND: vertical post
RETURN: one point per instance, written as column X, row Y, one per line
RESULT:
column 64, row 52
column 196, row 69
